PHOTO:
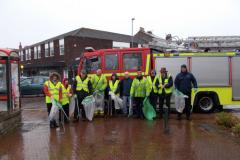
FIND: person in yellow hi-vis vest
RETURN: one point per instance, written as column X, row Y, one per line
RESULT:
column 66, row 94
column 152, row 81
column 139, row 92
column 114, row 87
column 82, row 88
column 165, row 86
column 53, row 90
column 99, row 83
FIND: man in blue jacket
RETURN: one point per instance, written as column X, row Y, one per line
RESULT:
column 125, row 86
column 184, row 82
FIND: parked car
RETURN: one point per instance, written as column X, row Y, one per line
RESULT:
column 32, row 85
column 23, row 77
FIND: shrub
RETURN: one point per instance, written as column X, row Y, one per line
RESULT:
column 236, row 129
column 227, row 120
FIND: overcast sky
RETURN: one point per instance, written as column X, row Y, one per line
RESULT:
column 31, row 21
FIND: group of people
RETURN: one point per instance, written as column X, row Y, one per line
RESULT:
column 158, row 88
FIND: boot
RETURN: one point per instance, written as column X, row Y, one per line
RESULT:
column 75, row 120
column 188, row 118
column 55, row 124
column 179, row 117
column 52, row 124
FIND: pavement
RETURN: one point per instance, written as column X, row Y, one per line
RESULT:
column 117, row 138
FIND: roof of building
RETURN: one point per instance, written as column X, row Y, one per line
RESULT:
column 147, row 36
column 92, row 33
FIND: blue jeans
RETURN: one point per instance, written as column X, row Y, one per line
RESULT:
column 126, row 104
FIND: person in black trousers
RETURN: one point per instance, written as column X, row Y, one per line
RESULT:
column 114, row 86
column 165, row 84
column 82, row 88
column 152, row 80
column 184, row 82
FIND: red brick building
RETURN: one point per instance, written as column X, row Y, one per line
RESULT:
column 62, row 53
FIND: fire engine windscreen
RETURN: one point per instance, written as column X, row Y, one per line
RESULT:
column 92, row 64
column 131, row 61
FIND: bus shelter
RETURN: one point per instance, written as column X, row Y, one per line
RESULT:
column 9, row 89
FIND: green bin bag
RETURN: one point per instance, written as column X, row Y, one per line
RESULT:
column 148, row 110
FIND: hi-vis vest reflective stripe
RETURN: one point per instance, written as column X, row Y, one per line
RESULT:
column 138, row 88
column 113, row 87
column 152, row 85
column 99, row 82
column 82, row 85
column 167, row 90
column 65, row 94
column 53, row 90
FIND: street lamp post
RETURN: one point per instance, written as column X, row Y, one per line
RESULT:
column 132, row 31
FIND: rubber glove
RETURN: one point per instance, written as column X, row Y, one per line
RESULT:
column 195, row 90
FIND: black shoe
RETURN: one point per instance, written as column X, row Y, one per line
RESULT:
column 179, row 117
column 160, row 116
column 55, row 124
column 66, row 121
column 188, row 118
column 84, row 119
column 75, row 120
column 52, row 124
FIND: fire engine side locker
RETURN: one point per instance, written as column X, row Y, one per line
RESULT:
column 211, row 71
column 236, row 78
column 173, row 66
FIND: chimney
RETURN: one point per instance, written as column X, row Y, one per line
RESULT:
column 142, row 29
column 150, row 32
column 20, row 46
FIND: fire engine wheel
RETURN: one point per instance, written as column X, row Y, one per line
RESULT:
column 206, row 104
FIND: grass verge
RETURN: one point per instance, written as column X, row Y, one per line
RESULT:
column 229, row 121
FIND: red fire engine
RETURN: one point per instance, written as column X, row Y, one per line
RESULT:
column 217, row 73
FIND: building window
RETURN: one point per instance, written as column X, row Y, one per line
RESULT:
column 35, row 53
column 39, row 52
column 21, row 55
column 132, row 61
column 111, row 61
column 26, row 54
column 120, row 44
column 61, row 46
column 29, row 54
column 46, row 50
column 51, row 49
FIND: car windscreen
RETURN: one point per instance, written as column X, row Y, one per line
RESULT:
column 26, row 82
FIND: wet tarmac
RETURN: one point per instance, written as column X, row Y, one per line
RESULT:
column 117, row 139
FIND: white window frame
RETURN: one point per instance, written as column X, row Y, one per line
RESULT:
column 116, row 44
column 51, row 45
column 35, row 55
column 21, row 56
column 39, row 52
column 26, row 54
column 29, row 54
column 46, row 47
column 61, row 45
